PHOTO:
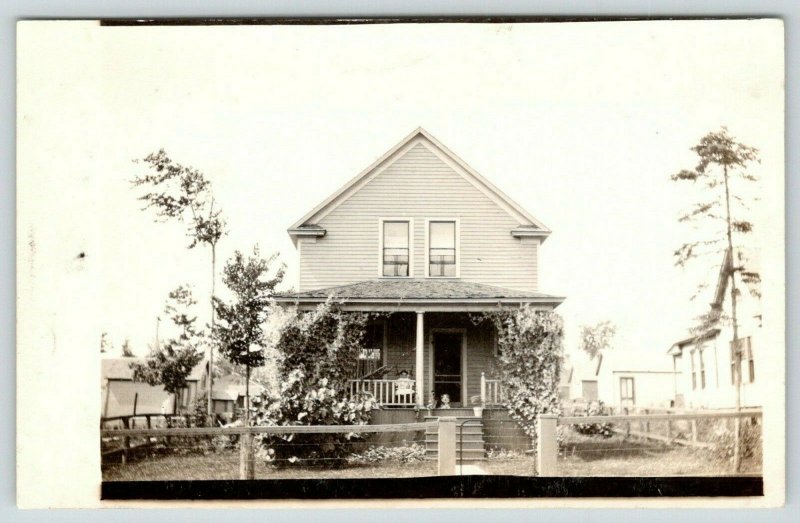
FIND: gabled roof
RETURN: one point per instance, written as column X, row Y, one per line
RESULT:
column 678, row 346
column 232, row 386
column 120, row 369
column 634, row 361
column 307, row 224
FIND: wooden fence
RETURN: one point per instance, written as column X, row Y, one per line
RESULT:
column 445, row 426
column 547, row 444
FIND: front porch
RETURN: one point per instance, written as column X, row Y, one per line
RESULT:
column 393, row 394
column 423, row 359
column 430, row 342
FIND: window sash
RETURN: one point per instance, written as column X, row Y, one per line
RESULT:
column 442, row 253
column 395, row 254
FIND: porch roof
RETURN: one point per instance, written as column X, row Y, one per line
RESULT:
column 420, row 294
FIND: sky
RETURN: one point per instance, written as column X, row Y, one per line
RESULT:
column 581, row 124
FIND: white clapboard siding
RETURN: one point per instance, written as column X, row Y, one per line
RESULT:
column 419, row 185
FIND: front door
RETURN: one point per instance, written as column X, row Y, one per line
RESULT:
column 447, row 365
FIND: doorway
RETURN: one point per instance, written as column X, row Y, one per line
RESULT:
column 447, row 347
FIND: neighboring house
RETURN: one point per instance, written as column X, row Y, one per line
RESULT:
column 422, row 236
column 583, row 384
column 623, row 379
column 705, row 362
column 121, row 396
column 229, row 394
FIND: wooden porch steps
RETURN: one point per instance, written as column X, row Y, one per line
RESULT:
column 470, row 445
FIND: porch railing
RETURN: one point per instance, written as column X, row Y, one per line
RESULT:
column 491, row 391
column 386, row 392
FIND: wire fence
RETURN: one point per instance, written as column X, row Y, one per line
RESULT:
column 653, row 444
column 267, row 452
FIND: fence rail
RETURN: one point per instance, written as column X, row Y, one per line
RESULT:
column 283, row 429
column 674, row 416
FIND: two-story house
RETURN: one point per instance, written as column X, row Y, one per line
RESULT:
column 422, row 236
column 705, row 364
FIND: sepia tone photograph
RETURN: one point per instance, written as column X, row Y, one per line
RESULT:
column 405, row 260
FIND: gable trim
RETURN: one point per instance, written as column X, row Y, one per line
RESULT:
column 420, row 136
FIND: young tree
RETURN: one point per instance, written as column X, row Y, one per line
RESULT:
column 126, row 349
column 171, row 363
column 183, row 193
column 105, row 343
column 722, row 173
column 597, row 338
column 239, row 329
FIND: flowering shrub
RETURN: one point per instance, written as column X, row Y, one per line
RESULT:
column 406, row 454
column 503, row 454
column 595, row 408
column 323, row 343
column 530, row 346
column 306, row 401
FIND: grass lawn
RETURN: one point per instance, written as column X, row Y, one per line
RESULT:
column 225, row 465
column 580, row 456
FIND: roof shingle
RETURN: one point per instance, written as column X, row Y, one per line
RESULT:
column 415, row 289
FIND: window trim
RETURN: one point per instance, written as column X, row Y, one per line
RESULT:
column 457, row 222
column 702, row 368
column 410, row 222
column 632, row 398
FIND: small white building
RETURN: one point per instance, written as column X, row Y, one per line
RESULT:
column 121, row 396
column 706, row 363
column 623, row 379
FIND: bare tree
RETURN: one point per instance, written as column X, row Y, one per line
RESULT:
column 183, row 193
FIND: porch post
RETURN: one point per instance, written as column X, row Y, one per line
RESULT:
column 420, row 358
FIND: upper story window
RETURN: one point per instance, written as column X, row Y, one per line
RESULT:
column 442, row 248
column 745, row 349
column 395, row 248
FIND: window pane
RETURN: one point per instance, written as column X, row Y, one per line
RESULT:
column 395, row 249
column 442, row 249
column 395, row 235
column 443, row 235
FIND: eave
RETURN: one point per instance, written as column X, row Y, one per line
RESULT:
column 423, row 305
column 528, row 232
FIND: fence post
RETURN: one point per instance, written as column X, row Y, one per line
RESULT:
column 483, row 389
column 126, row 441
column 546, row 445
column 694, row 431
column 447, row 446
column 647, row 423
column 627, row 425
column 246, row 461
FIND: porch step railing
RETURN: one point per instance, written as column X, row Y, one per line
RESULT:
column 491, row 391
column 386, row 392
